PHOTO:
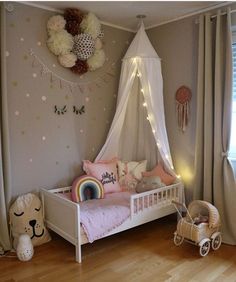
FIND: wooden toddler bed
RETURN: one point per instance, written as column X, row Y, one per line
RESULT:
column 63, row 215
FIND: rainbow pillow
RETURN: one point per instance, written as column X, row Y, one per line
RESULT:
column 86, row 188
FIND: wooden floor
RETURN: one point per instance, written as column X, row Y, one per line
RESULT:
column 145, row 253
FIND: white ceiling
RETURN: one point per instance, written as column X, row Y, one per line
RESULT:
column 123, row 13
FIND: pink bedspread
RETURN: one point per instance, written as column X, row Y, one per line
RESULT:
column 98, row 217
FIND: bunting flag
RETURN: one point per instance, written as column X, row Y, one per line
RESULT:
column 83, row 86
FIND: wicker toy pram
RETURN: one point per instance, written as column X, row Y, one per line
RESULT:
column 200, row 226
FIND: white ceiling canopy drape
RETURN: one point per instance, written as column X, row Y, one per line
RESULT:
column 141, row 66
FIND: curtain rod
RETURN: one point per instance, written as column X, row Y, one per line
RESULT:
column 223, row 13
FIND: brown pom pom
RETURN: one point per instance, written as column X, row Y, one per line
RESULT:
column 73, row 27
column 73, row 19
column 80, row 67
column 73, row 15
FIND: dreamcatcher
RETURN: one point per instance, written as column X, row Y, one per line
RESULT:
column 183, row 97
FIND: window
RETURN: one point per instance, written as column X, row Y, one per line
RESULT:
column 232, row 151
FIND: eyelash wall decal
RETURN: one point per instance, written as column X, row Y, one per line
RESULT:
column 38, row 209
column 60, row 111
column 18, row 214
column 79, row 110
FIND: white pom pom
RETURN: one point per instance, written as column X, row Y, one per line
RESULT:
column 91, row 25
column 98, row 44
column 60, row 43
column 56, row 23
column 67, row 60
column 97, row 60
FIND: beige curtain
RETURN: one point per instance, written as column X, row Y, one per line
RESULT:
column 214, row 177
column 5, row 186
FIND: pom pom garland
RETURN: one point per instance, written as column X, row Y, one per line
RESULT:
column 75, row 39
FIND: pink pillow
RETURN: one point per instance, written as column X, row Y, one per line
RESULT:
column 106, row 172
column 159, row 171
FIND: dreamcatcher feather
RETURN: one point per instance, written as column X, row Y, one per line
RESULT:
column 183, row 97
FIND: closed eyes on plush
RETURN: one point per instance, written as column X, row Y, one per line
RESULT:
column 38, row 209
column 18, row 214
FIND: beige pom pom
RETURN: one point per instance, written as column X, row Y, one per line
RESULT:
column 67, row 60
column 91, row 25
column 56, row 23
column 97, row 60
column 60, row 43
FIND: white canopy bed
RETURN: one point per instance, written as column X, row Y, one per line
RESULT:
column 137, row 132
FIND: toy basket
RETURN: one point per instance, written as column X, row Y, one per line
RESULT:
column 200, row 226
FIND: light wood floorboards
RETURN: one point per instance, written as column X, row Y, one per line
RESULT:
column 145, row 253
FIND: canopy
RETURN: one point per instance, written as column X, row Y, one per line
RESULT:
column 138, row 129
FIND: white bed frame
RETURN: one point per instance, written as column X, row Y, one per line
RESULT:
column 63, row 216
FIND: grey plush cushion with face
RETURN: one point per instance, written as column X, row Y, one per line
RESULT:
column 149, row 183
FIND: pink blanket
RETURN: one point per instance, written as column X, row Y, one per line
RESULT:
column 98, row 217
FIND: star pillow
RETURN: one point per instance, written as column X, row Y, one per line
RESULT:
column 159, row 171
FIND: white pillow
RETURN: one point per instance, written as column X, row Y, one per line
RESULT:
column 26, row 217
column 133, row 168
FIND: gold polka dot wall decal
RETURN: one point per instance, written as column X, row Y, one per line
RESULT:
column 27, row 95
column 43, row 138
column 14, row 83
column 81, row 77
column 87, row 99
column 34, row 75
column 107, row 59
column 44, row 98
column 39, row 43
column 25, row 57
column 81, row 131
column 113, row 42
column 30, row 160
column 22, row 39
column 17, row 113
column 7, row 54
column 93, row 149
column 104, row 109
column 53, row 65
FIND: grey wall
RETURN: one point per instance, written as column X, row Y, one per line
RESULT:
column 47, row 149
column 176, row 45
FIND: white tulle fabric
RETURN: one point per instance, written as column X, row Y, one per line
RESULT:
column 132, row 136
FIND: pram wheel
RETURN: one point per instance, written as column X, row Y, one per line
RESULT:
column 216, row 241
column 178, row 240
column 204, row 247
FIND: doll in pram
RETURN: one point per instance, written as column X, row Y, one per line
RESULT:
column 200, row 226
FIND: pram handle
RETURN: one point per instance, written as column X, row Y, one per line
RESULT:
column 179, row 204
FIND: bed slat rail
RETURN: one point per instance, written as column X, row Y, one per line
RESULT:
column 155, row 199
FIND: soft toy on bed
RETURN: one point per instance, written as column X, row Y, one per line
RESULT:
column 86, row 188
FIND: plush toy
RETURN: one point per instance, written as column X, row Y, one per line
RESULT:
column 24, row 249
column 26, row 217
